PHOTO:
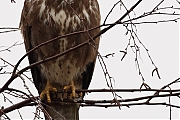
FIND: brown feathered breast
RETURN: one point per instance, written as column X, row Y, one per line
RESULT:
column 43, row 20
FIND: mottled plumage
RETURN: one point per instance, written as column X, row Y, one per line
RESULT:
column 42, row 20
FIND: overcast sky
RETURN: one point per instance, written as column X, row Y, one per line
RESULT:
column 162, row 41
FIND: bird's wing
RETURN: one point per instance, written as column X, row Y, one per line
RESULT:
column 26, row 30
column 87, row 75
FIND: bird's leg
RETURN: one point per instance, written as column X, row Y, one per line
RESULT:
column 72, row 87
column 47, row 90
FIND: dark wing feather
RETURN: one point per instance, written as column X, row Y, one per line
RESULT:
column 87, row 75
column 33, row 57
column 26, row 30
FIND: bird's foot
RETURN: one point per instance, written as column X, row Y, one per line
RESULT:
column 46, row 92
column 72, row 87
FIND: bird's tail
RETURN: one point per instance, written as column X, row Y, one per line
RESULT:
column 62, row 111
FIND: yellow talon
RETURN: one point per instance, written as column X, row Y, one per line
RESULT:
column 80, row 94
column 46, row 92
column 72, row 87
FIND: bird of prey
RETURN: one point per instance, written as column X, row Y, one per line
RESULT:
column 43, row 20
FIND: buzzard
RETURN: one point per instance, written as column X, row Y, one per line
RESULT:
column 43, row 20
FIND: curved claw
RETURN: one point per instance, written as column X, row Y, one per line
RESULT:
column 72, row 88
column 46, row 92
